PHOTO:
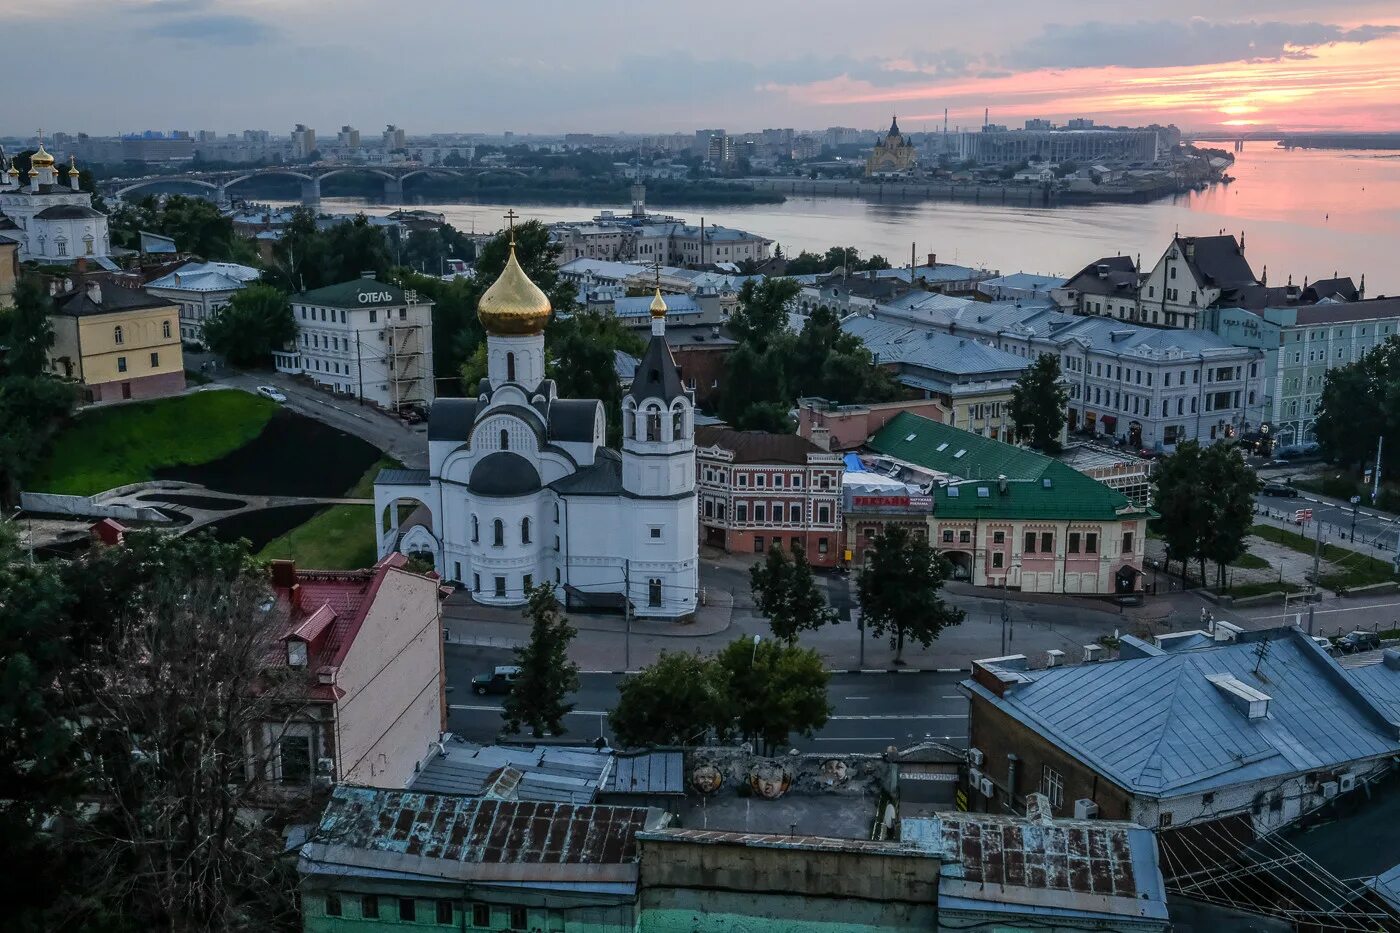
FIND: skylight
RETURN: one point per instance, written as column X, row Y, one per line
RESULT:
column 983, row 492
column 942, row 447
column 952, row 492
column 911, row 437
column 958, row 455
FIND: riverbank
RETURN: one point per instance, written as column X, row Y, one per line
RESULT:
column 1005, row 193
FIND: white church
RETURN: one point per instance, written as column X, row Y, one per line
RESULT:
column 522, row 490
column 52, row 221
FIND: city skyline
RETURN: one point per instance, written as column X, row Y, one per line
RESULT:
column 619, row 66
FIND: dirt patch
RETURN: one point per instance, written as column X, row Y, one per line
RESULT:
column 262, row 525
column 293, row 456
column 207, row 503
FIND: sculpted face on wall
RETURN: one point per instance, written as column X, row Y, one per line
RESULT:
column 706, row 778
column 770, row 780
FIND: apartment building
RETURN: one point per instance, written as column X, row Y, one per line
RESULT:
column 201, row 289
column 364, row 339
column 757, row 490
column 119, row 343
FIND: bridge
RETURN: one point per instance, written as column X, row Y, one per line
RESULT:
column 219, row 183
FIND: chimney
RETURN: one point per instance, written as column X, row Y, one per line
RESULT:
column 94, row 292
column 284, row 574
column 932, row 259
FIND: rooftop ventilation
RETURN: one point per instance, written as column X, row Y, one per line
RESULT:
column 1253, row 703
column 983, row 492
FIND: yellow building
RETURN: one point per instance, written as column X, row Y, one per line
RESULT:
column 9, row 271
column 120, row 343
column 893, row 156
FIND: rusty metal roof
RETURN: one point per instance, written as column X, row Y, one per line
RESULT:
column 1079, row 866
column 483, row 831
column 781, row 841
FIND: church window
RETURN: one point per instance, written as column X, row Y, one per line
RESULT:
column 498, row 534
column 87, row 245
column 629, row 424
column 677, row 424
column 476, row 583
column 505, row 439
column 654, row 591
column 500, row 587
column 62, row 246
column 525, row 530
column 653, row 424
column 165, row 329
column 528, row 582
column 117, row 335
column 556, row 513
column 476, row 530
column 510, row 367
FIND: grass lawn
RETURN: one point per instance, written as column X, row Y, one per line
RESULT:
column 364, row 489
column 106, row 447
column 1352, row 568
column 1248, row 561
column 1264, row 586
column 339, row 538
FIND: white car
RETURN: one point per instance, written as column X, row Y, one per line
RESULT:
column 272, row 392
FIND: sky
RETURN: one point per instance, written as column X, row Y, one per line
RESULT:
column 551, row 66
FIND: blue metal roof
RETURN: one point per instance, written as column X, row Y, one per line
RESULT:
column 640, row 306
column 933, row 350
column 1157, row 726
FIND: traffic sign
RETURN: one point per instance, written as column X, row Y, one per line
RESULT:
column 1302, row 515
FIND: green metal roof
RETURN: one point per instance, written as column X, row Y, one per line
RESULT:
column 1037, row 486
column 356, row 293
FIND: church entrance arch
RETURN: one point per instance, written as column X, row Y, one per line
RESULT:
column 962, row 564
column 405, row 524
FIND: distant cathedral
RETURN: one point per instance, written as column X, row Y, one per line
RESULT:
column 53, row 221
column 893, row 155
column 522, row 489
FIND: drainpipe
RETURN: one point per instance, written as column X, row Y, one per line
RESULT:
column 1013, row 769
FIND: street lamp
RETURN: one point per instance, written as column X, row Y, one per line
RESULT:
column 1354, row 501
column 753, row 658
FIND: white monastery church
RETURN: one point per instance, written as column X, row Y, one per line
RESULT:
column 521, row 488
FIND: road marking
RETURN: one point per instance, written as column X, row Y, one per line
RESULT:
column 953, row 696
column 1289, row 615
column 862, row 738
column 596, row 713
column 898, row 717
column 857, row 698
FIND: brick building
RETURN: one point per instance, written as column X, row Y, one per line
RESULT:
column 833, row 426
column 757, row 489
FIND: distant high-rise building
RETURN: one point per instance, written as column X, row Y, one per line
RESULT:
column 394, row 138
column 348, row 137
column 257, row 137
column 207, row 136
column 303, row 141
column 1078, row 123
column 1038, row 124
column 701, row 146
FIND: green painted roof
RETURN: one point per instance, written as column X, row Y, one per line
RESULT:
column 356, row 293
column 1037, row 487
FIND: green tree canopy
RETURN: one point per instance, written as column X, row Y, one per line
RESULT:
column 25, row 330
column 775, row 690
column 256, row 321
column 540, row 697
column 899, row 590
column 1360, row 403
column 675, row 701
column 196, row 225
column 30, row 408
column 786, row 592
column 1204, row 497
column 582, row 350
column 1038, row 404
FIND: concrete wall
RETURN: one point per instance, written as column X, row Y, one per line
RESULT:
column 681, row 911
column 85, row 507
column 392, row 677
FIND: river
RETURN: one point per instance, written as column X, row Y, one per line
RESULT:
column 1303, row 213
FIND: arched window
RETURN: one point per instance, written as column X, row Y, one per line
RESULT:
column 165, row 329
column 476, row 530
column 653, row 423
column 87, row 244
column 498, row 533
column 556, row 513
column 525, row 530
column 510, row 367
column 505, row 439
column 117, row 335
column 629, row 423
column 62, row 245
column 654, row 591
column 677, row 424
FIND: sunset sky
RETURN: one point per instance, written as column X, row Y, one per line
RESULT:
column 613, row 65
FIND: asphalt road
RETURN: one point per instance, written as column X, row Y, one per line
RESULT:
column 870, row 711
column 1372, row 526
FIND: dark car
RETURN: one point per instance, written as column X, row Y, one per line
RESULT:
column 500, row 680
column 1279, row 489
column 1352, row 642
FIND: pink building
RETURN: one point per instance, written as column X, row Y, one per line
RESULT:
column 846, row 427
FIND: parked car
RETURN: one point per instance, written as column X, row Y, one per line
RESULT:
column 1279, row 489
column 1325, row 644
column 500, row 680
column 273, row 393
column 1353, row 642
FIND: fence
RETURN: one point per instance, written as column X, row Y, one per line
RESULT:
column 86, row 507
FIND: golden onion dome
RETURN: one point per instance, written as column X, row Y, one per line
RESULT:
column 73, row 167
column 13, row 172
column 514, row 306
column 41, row 158
column 658, row 305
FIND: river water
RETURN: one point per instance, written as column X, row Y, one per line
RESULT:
column 1303, row 213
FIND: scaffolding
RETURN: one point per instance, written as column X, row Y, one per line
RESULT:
column 407, row 359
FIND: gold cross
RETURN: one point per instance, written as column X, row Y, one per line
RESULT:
column 510, row 219
column 656, row 270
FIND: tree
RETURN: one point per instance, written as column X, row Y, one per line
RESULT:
column 899, row 589
column 583, row 350
column 25, row 330
column 1229, row 486
column 1177, row 494
column 1360, row 402
column 256, row 321
column 196, row 226
column 1038, row 404
column 674, row 701
column 763, row 309
column 30, row 407
column 786, row 593
column 547, row 677
column 775, row 690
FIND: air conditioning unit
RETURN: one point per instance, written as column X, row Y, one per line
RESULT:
column 325, row 765
column 1086, row 809
column 975, row 757
column 986, row 786
column 974, row 777
column 1329, row 789
column 1346, row 783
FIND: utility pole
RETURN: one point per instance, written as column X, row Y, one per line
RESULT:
column 627, row 613
column 1005, row 617
column 1376, row 479
column 1317, row 556
column 1354, row 501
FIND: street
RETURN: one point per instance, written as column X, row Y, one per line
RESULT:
column 869, row 711
column 1372, row 526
